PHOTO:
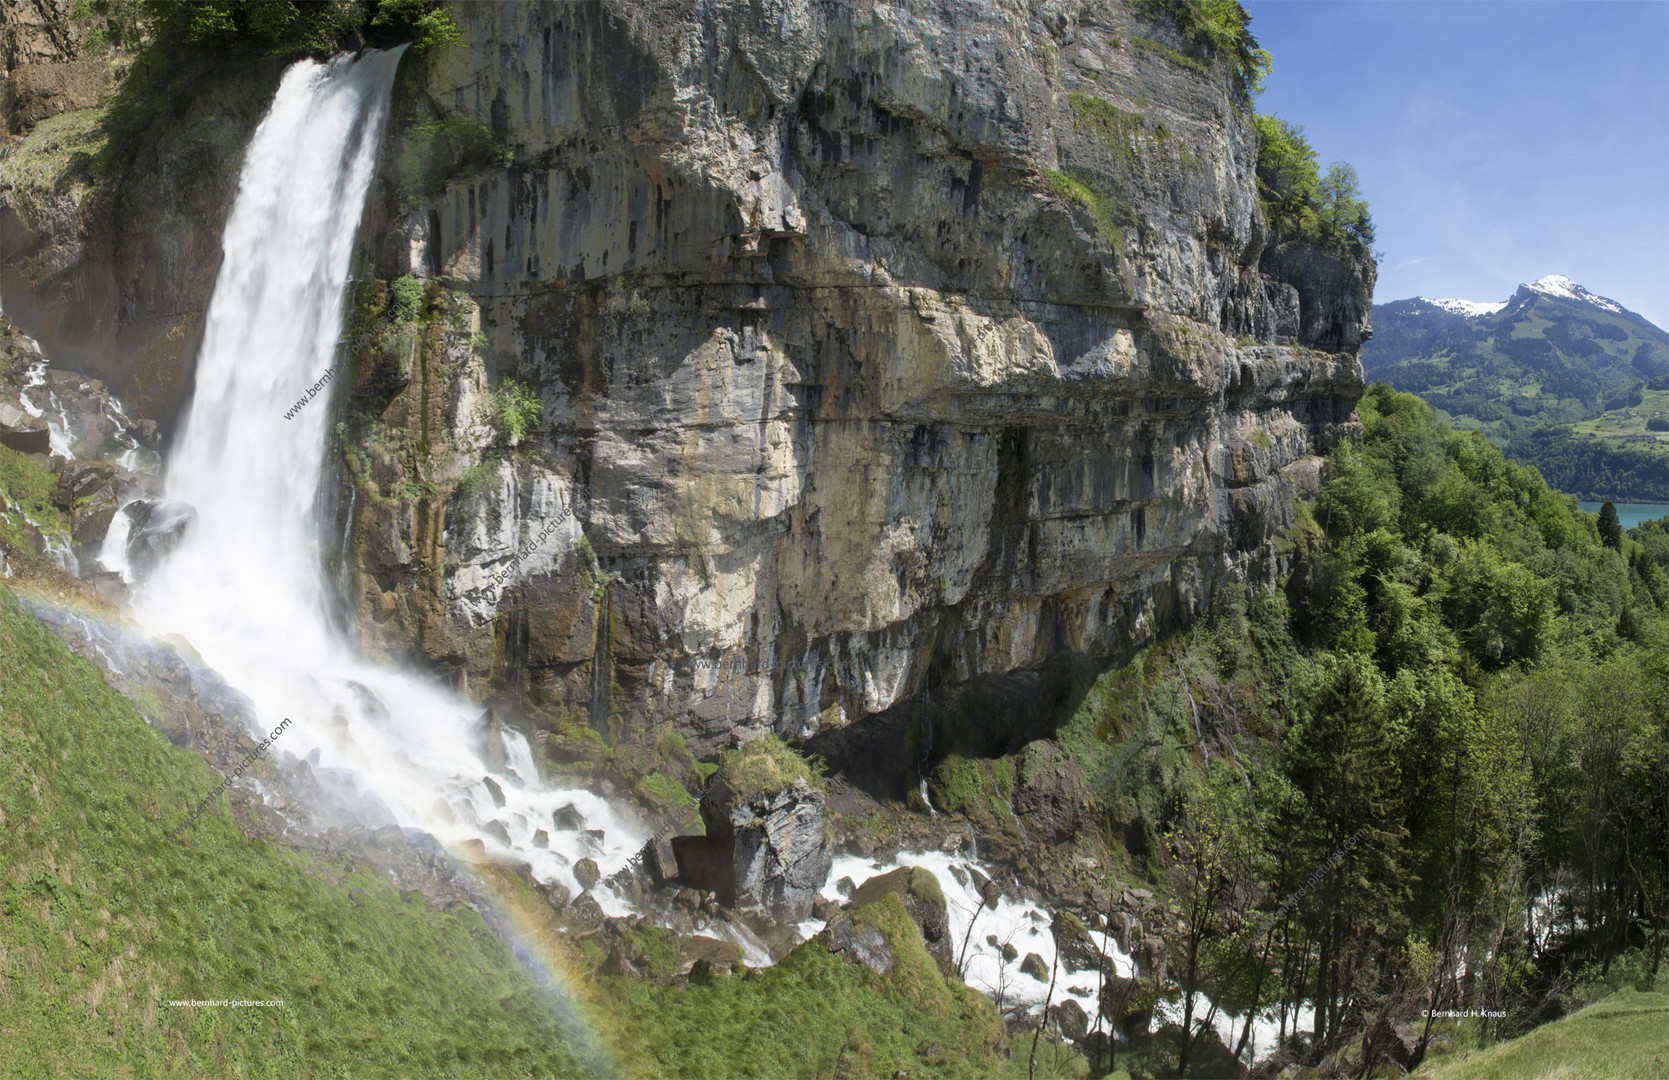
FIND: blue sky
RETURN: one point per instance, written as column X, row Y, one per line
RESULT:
column 1496, row 141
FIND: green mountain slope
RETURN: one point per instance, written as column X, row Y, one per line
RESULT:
column 1568, row 381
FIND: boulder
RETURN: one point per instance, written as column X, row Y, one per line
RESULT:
column 567, row 819
column 490, row 740
column 22, row 432
column 858, row 943
column 582, row 916
column 1074, row 946
column 555, row 893
column 1069, row 1020
column 765, row 852
column 923, row 899
column 659, row 861
column 695, row 950
column 1034, row 966
column 586, row 873
column 156, row 526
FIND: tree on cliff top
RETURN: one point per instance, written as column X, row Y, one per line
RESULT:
column 284, row 27
column 1302, row 204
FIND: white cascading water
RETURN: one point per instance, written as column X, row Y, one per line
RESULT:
column 246, row 585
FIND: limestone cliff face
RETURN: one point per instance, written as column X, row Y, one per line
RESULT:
column 885, row 350
column 889, row 355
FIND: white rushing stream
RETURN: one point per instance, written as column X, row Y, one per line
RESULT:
column 246, row 585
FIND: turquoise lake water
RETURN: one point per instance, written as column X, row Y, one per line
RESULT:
column 1632, row 514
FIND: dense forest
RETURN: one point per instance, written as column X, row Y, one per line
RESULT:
column 1429, row 773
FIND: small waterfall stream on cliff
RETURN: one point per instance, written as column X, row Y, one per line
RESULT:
column 246, row 585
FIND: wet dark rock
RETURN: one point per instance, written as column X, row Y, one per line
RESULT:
column 498, row 831
column 155, row 529
column 586, row 873
column 541, row 838
column 1009, row 952
column 1034, row 966
column 568, row 819
column 1069, row 1020
column 494, row 790
column 845, row 886
column 21, row 432
column 147, row 434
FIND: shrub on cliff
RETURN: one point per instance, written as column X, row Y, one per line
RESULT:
column 767, row 764
column 1220, row 28
column 1302, row 204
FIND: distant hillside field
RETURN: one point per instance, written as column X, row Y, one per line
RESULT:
column 1565, row 380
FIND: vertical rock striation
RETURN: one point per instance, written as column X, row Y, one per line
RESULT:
column 892, row 358
column 883, row 351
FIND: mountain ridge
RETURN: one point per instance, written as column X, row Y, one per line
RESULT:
column 1563, row 377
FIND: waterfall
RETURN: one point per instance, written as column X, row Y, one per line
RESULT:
column 247, row 586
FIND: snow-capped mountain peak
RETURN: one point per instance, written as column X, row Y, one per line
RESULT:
column 1564, row 288
column 1470, row 309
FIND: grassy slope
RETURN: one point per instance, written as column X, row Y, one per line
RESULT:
column 1618, row 423
column 813, row 1014
column 28, row 494
column 102, row 920
column 1625, row 1037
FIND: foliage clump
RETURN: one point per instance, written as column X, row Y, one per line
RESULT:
column 1106, row 209
column 767, row 764
column 26, row 493
column 1345, row 788
column 516, row 410
column 317, row 28
column 439, row 150
column 1220, row 28
column 1302, row 204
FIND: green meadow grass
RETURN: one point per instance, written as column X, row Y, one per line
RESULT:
column 103, row 920
column 1623, row 1037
